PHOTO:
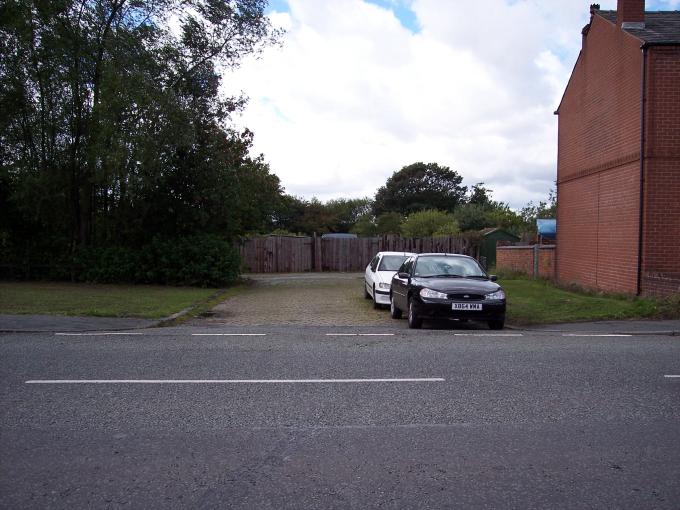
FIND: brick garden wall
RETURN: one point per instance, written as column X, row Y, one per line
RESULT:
column 521, row 259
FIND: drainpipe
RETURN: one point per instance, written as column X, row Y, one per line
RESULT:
column 643, row 104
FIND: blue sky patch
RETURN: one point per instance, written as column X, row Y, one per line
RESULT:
column 402, row 10
column 277, row 6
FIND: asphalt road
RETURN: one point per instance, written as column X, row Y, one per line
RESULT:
column 540, row 420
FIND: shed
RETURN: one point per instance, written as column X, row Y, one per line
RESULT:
column 338, row 236
column 490, row 237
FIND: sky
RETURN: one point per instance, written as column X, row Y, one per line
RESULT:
column 358, row 89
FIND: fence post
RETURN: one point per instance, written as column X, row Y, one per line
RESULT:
column 313, row 254
column 318, row 254
column 536, row 254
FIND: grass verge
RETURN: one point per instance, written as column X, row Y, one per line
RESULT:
column 79, row 299
column 203, row 308
column 541, row 302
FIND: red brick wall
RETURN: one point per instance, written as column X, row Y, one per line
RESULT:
column 598, row 163
column 521, row 259
column 630, row 10
column 661, row 231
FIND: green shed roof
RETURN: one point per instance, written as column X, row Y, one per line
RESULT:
column 499, row 232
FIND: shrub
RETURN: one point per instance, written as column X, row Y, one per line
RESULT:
column 430, row 223
column 201, row 260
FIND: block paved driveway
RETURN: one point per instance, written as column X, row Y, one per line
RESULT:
column 315, row 299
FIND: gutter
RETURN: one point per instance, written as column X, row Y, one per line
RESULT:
column 643, row 105
column 648, row 44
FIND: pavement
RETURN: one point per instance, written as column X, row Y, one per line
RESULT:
column 629, row 327
column 58, row 323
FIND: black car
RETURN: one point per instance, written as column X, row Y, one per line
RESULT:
column 442, row 285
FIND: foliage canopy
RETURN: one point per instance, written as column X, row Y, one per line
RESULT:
column 418, row 187
column 112, row 128
column 430, row 223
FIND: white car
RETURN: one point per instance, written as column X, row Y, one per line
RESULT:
column 379, row 273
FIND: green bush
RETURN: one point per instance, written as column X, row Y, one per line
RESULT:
column 430, row 223
column 202, row 260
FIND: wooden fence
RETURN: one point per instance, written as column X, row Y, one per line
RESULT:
column 282, row 254
column 277, row 254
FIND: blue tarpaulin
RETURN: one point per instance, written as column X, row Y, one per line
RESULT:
column 547, row 228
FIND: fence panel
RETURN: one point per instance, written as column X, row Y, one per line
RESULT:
column 347, row 254
column 279, row 254
column 276, row 254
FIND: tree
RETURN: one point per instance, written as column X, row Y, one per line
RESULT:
column 429, row 223
column 345, row 212
column 418, row 187
column 288, row 214
column 473, row 216
column 544, row 209
column 309, row 216
column 259, row 194
column 389, row 223
column 364, row 226
column 504, row 217
column 112, row 128
column 479, row 195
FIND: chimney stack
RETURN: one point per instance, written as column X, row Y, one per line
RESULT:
column 630, row 14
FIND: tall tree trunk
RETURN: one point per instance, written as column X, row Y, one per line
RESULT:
column 87, row 184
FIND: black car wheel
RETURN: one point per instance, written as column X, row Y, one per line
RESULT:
column 496, row 324
column 375, row 303
column 395, row 313
column 414, row 322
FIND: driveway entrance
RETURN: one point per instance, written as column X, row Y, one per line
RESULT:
column 319, row 299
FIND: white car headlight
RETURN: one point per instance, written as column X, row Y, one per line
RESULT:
column 432, row 294
column 499, row 294
column 383, row 285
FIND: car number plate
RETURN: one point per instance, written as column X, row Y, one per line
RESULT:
column 467, row 306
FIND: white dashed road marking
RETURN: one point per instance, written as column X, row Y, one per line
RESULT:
column 592, row 335
column 672, row 376
column 234, row 381
column 359, row 334
column 96, row 334
column 488, row 334
column 228, row 334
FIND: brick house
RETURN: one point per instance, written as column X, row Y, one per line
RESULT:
column 618, row 170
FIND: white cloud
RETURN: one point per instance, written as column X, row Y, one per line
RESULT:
column 353, row 96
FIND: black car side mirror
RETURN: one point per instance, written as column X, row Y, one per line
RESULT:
column 493, row 277
column 403, row 275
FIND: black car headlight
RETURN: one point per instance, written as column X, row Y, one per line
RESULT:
column 499, row 294
column 432, row 294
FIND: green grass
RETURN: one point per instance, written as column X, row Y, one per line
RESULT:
column 529, row 301
column 142, row 301
column 204, row 307
column 540, row 302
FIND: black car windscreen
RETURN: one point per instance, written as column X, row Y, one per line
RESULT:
column 447, row 266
